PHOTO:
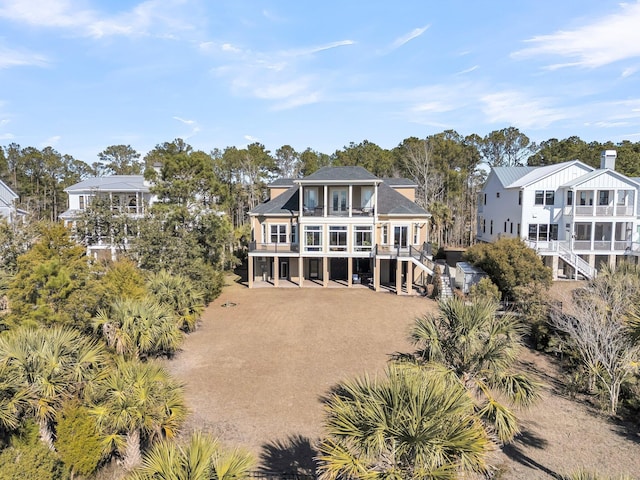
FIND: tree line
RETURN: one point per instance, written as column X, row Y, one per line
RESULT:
column 448, row 169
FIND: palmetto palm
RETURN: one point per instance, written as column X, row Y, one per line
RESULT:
column 480, row 347
column 413, row 424
column 139, row 328
column 202, row 458
column 137, row 402
column 43, row 368
column 179, row 293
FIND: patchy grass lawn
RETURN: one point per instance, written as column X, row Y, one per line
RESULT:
column 256, row 373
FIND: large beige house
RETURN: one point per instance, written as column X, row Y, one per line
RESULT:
column 340, row 226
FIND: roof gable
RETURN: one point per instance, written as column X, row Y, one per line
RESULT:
column 600, row 172
column 7, row 196
column 538, row 173
column 112, row 183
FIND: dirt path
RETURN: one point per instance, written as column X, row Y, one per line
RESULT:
column 255, row 374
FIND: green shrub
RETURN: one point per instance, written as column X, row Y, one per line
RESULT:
column 485, row 288
column 27, row 458
column 78, row 441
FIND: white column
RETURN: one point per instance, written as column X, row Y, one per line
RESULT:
column 326, row 201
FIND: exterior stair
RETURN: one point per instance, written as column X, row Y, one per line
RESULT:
column 576, row 262
column 446, row 290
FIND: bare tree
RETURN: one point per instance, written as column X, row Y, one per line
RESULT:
column 597, row 326
column 418, row 163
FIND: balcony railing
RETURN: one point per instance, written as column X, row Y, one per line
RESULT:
column 601, row 211
column 355, row 212
column 274, row 247
column 579, row 245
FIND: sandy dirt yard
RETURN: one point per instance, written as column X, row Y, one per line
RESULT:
column 255, row 375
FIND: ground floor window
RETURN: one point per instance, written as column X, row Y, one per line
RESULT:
column 313, row 238
column 543, row 232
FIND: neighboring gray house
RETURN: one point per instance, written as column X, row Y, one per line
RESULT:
column 128, row 194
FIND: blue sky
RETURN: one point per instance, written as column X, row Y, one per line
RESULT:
column 80, row 75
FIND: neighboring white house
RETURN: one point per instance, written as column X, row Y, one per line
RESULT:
column 577, row 217
column 128, row 194
column 8, row 209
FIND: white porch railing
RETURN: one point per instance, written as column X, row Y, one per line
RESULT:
column 563, row 249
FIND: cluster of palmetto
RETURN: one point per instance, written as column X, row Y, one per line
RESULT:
column 133, row 401
column 439, row 410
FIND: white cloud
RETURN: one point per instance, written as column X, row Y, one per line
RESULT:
column 606, row 40
column 4, row 121
column 195, row 127
column 251, row 139
column 14, row 58
column 51, row 141
column 186, row 122
column 516, row 108
column 274, row 76
column 70, row 14
column 629, row 71
column 415, row 33
column 468, row 70
column 7, row 136
column 317, row 48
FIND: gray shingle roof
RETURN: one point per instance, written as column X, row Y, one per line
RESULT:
column 284, row 204
column 340, row 174
column 282, row 182
column 399, row 182
column 113, row 183
column 391, row 202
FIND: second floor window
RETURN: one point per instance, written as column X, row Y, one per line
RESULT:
column 570, row 197
column 603, row 197
column 278, row 233
column 549, row 197
column 385, row 234
column 539, row 197
column 310, row 197
column 362, row 238
column 313, row 238
column 337, row 237
column 545, row 197
column 81, row 200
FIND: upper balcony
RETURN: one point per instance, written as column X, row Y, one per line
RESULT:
column 601, row 203
column 338, row 200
